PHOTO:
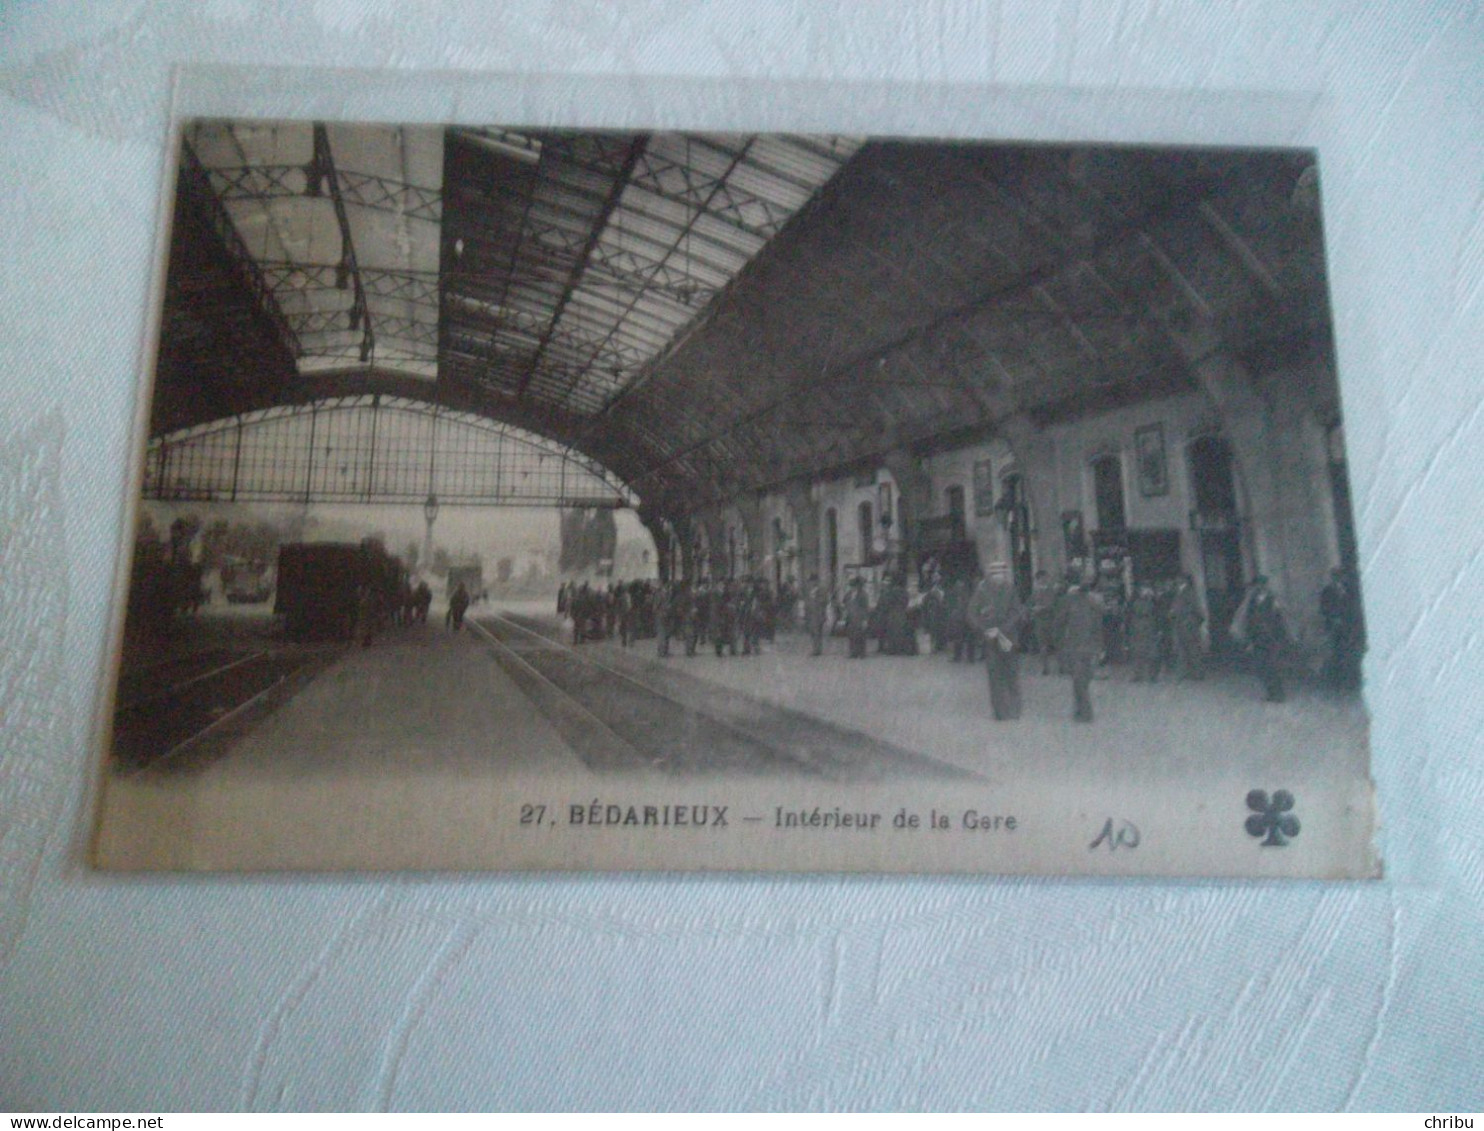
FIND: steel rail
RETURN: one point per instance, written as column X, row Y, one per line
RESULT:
column 507, row 653
column 741, row 732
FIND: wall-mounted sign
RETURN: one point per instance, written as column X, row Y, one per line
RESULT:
column 984, row 488
column 1149, row 446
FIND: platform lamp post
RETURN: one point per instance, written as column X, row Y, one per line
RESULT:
column 430, row 514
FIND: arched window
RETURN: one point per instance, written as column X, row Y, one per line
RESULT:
column 1211, row 479
column 867, row 531
column 953, row 500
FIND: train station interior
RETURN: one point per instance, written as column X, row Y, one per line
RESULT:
column 797, row 361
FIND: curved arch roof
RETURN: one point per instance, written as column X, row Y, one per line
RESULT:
column 372, row 448
column 707, row 315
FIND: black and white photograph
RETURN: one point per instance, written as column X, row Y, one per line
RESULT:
column 514, row 498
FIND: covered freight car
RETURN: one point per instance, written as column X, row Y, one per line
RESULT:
column 336, row 590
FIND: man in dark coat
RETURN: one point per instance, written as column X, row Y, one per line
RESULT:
column 1339, row 608
column 1267, row 633
column 697, row 623
column 457, row 605
column 955, row 610
column 749, row 616
column 577, row 609
column 661, row 606
column 997, row 617
column 1079, row 640
column 816, row 601
column 622, row 601
column 1186, row 618
column 934, row 617
column 897, row 635
column 857, row 617
column 1043, row 618
column 1144, row 634
column 723, row 619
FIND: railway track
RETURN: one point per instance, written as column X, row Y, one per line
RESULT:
column 679, row 724
column 194, row 698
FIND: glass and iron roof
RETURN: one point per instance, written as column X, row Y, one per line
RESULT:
column 545, row 267
column 706, row 315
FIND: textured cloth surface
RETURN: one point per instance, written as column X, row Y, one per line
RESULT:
column 390, row 992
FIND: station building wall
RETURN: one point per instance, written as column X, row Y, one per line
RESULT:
column 1161, row 503
column 845, row 495
column 955, row 471
column 1278, row 437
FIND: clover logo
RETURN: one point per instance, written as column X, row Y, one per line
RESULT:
column 1271, row 817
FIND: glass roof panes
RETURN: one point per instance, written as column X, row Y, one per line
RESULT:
column 342, row 223
column 622, row 241
column 543, row 272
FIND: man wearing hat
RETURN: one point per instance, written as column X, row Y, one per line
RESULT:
column 816, row 604
column 1186, row 618
column 996, row 614
column 1079, row 636
column 857, row 617
column 1267, row 632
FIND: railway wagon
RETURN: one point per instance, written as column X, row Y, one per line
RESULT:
column 472, row 578
column 245, row 582
column 335, row 590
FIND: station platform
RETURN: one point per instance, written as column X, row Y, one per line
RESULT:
column 413, row 736
column 401, row 752
column 929, row 704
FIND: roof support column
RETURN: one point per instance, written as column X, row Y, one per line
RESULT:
column 1244, row 424
column 685, row 556
column 750, row 509
column 1035, row 456
column 806, row 513
column 714, row 562
column 1277, row 437
column 664, row 544
column 914, row 498
column 1274, row 422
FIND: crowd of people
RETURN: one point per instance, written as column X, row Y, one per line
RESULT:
column 1077, row 627
column 734, row 616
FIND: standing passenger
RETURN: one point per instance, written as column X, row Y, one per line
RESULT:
column 1267, row 632
column 664, row 598
column 1079, row 639
column 934, row 617
column 857, row 617
column 1144, row 635
column 1339, row 607
column 1043, row 618
column 457, row 605
column 897, row 635
column 815, row 604
column 955, row 606
column 1186, row 618
column 996, row 616
column 700, row 615
column 623, row 603
column 723, row 619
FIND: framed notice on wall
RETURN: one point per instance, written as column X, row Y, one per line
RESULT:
column 1149, row 448
column 984, row 496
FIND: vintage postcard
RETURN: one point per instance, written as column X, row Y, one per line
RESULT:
column 537, row 499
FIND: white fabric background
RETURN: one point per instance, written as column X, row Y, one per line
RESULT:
column 756, row 992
